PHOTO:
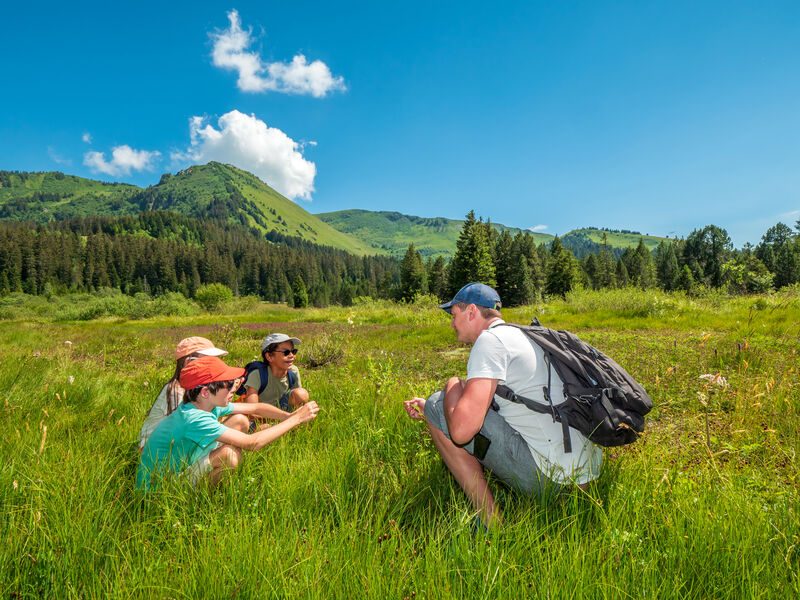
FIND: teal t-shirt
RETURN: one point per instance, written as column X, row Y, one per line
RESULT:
column 180, row 440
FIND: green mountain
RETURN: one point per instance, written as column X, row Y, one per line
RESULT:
column 214, row 190
column 391, row 232
column 588, row 240
column 53, row 196
column 226, row 193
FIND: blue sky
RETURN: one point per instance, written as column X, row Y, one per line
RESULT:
column 660, row 117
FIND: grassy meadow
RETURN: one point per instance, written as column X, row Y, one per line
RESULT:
column 358, row 504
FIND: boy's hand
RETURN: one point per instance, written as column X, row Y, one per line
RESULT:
column 415, row 408
column 307, row 412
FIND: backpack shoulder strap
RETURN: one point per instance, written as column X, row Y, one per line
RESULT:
column 263, row 375
column 292, row 375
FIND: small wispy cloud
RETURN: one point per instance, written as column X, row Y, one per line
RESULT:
column 86, row 138
column 247, row 142
column 124, row 160
column 57, row 158
column 538, row 228
column 792, row 214
column 231, row 52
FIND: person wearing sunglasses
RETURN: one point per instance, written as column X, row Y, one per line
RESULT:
column 275, row 381
column 193, row 443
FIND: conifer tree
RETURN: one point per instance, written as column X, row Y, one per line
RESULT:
column 473, row 259
column 524, row 245
column 504, row 264
column 437, row 279
column 590, row 270
column 622, row 274
column 412, row 275
column 646, row 273
column 560, row 270
column 787, row 264
column 667, row 267
column 520, row 286
column 605, row 276
column 299, row 293
column 686, row 280
column 705, row 252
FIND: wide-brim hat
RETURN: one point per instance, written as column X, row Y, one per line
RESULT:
column 197, row 345
column 277, row 338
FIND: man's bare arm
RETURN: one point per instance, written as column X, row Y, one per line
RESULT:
column 466, row 407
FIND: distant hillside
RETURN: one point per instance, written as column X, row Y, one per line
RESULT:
column 206, row 191
column 225, row 192
column 588, row 240
column 43, row 197
column 391, row 232
column 231, row 195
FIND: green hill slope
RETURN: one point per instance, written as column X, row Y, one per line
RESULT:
column 52, row 195
column 588, row 240
column 621, row 239
column 391, row 232
column 230, row 194
column 223, row 191
column 214, row 190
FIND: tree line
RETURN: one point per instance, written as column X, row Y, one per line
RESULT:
column 523, row 272
column 160, row 252
column 157, row 252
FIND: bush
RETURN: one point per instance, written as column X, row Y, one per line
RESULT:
column 211, row 296
column 324, row 350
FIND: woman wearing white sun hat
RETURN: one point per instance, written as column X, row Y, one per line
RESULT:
column 171, row 394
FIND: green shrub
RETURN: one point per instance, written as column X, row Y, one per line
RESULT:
column 211, row 296
column 323, row 350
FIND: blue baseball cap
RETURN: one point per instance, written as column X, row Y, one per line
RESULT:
column 477, row 294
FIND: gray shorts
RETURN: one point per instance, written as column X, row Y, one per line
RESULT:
column 195, row 472
column 509, row 458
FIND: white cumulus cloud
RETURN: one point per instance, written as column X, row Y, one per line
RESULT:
column 537, row 228
column 87, row 137
column 250, row 144
column 124, row 159
column 231, row 51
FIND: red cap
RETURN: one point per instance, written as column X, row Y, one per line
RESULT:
column 205, row 370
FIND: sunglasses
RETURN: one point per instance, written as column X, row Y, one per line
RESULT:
column 293, row 351
column 228, row 385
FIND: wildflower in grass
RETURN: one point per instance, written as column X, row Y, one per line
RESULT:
column 68, row 344
column 71, row 379
column 715, row 379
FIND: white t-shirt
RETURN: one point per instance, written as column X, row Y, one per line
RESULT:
column 157, row 413
column 505, row 354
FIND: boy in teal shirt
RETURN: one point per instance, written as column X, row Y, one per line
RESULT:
column 192, row 442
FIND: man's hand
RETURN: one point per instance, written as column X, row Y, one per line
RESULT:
column 415, row 408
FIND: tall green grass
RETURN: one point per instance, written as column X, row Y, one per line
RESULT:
column 358, row 504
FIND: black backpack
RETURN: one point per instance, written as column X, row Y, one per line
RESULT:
column 601, row 400
column 263, row 372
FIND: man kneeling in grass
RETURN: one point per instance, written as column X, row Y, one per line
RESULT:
column 193, row 443
column 475, row 429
